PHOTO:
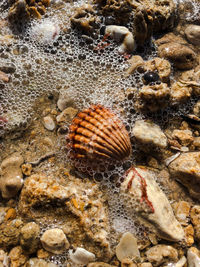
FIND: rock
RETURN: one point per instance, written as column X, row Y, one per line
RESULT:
column 143, row 25
column 128, row 263
column 11, row 175
column 183, row 136
column 180, row 93
column 17, row 257
column 182, row 211
column 64, row 101
column 55, row 241
column 9, row 233
column 41, row 189
column 26, row 169
column 49, row 123
column 192, row 33
column 143, row 197
column 99, row 264
column 161, row 66
column 66, row 116
column 81, row 256
column 4, row 259
column 127, row 247
column 145, row 264
column 196, row 109
column 186, row 169
column 195, row 218
column 29, row 237
column 193, row 257
column 189, row 235
column 35, row 262
column 135, row 63
column 148, row 133
column 179, row 263
column 182, row 56
column 196, row 142
column 154, row 97
column 161, row 254
column 85, row 19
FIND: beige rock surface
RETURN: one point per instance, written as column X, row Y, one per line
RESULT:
column 186, row 169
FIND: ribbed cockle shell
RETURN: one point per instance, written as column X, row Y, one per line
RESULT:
column 96, row 133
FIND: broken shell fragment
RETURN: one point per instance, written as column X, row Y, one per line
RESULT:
column 121, row 34
column 96, row 133
column 143, row 196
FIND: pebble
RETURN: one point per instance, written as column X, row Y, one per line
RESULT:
column 99, row 264
column 183, row 136
column 35, row 262
column 17, row 256
column 49, row 123
column 11, row 175
column 66, row 115
column 193, row 257
column 26, row 169
column 189, row 235
column 186, row 169
column 143, row 196
column 149, row 133
column 160, row 254
column 195, row 218
column 9, row 233
column 196, row 142
column 154, row 97
column 182, row 211
column 81, row 256
column 127, row 247
column 11, row 214
column 145, row 264
column 180, row 93
column 192, row 33
column 64, row 101
column 29, row 237
column 55, row 241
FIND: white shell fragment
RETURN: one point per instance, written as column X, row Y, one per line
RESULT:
column 143, row 196
column 121, row 33
column 49, row 124
column 81, row 256
column 127, row 247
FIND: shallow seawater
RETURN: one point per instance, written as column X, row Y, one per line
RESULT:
column 47, row 59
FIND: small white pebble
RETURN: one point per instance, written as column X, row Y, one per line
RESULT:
column 127, row 247
column 49, row 124
column 81, row 256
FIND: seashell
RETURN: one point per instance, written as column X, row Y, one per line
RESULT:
column 96, row 133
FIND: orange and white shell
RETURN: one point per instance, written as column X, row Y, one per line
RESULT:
column 96, row 133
